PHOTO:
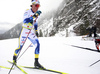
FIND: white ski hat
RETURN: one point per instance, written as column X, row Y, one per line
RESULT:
column 35, row 2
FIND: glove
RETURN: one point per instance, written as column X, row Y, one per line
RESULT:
column 14, row 59
column 37, row 14
column 36, row 33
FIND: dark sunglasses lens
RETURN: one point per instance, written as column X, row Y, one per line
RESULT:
column 37, row 5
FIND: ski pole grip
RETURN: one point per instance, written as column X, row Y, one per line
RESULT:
column 37, row 14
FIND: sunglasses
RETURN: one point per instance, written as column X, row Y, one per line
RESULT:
column 37, row 5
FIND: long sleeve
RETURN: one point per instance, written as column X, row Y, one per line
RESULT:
column 27, row 20
column 35, row 26
column 28, row 16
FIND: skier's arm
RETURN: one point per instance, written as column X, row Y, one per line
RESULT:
column 30, row 19
column 27, row 20
column 35, row 26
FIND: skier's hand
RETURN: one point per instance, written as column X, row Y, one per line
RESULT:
column 37, row 14
column 36, row 33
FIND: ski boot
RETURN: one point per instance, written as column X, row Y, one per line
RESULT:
column 37, row 64
column 14, row 59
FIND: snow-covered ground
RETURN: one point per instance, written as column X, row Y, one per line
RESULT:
column 55, row 53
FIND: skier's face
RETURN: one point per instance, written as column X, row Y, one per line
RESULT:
column 35, row 7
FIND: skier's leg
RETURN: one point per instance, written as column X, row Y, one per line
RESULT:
column 97, row 46
column 35, row 41
column 37, row 46
column 37, row 50
column 22, row 38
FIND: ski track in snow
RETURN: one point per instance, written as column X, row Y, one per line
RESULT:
column 54, row 54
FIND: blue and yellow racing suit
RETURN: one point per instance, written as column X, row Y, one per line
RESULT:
column 27, row 25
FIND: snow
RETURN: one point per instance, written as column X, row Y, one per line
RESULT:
column 55, row 53
column 93, row 2
column 92, row 9
column 46, row 27
column 61, row 34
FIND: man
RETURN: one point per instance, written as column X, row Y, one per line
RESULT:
column 97, row 43
column 94, row 28
column 28, row 24
column 90, row 31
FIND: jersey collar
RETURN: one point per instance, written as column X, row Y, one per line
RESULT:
column 32, row 11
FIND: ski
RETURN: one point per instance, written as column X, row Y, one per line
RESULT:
column 84, row 48
column 94, row 63
column 5, row 67
column 44, row 69
column 18, row 67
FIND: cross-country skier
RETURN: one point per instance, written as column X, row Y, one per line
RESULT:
column 94, row 28
column 28, row 20
column 97, row 43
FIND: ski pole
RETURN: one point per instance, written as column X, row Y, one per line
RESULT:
column 27, row 35
column 22, row 46
column 94, row 63
column 24, row 51
column 11, row 68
